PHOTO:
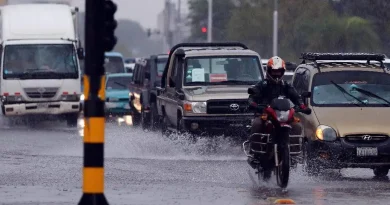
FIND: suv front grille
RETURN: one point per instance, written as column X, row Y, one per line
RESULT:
column 41, row 92
column 227, row 106
column 366, row 138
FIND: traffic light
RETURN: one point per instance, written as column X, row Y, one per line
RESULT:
column 204, row 30
column 110, row 24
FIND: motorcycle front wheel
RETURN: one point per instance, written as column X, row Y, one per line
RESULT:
column 283, row 170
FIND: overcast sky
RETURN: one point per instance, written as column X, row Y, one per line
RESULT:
column 143, row 11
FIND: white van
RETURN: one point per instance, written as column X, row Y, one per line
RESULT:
column 40, row 72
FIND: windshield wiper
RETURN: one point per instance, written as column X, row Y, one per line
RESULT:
column 370, row 94
column 346, row 92
column 121, row 84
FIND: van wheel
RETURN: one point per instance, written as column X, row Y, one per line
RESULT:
column 71, row 120
column 381, row 171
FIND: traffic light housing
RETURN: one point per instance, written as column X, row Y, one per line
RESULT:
column 110, row 24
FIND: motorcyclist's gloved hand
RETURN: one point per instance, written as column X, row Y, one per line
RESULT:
column 303, row 106
column 253, row 104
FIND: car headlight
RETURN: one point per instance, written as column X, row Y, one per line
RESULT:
column 195, row 107
column 282, row 116
column 326, row 133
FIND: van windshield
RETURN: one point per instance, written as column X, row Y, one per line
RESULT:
column 216, row 70
column 49, row 61
column 114, row 64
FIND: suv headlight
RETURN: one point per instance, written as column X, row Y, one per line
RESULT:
column 195, row 107
column 326, row 133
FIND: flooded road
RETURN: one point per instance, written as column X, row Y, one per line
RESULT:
column 43, row 165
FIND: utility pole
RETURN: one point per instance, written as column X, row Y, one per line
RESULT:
column 210, row 22
column 275, row 30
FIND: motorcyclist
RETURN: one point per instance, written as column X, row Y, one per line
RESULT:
column 268, row 89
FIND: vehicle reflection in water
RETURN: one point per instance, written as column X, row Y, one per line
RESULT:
column 124, row 120
column 319, row 195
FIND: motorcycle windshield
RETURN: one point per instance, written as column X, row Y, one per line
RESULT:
column 280, row 104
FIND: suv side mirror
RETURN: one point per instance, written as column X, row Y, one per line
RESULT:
column 80, row 53
column 306, row 94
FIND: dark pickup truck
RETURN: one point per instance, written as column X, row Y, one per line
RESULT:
column 146, row 77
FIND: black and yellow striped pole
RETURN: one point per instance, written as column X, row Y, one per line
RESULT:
column 99, row 35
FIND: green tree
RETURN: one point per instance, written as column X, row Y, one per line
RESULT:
column 251, row 24
column 198, row 15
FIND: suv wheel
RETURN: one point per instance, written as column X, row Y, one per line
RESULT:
column 154, row 116
column 381, row 171
column 145, row 120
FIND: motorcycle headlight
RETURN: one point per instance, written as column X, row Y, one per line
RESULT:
column 282, row 115
column 195, row 107
column 326, row 133
column 82, row 97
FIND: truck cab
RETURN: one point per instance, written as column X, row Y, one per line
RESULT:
column 40, row 72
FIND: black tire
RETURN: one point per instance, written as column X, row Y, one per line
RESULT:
column 310, row 164
column 283, row 170
column 71, row 120
column 136, row 118
column 381, row 171
column 164, row 126
column 154, row 122
column 145, row 120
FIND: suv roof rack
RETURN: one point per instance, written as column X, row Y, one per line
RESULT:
column 310, row 56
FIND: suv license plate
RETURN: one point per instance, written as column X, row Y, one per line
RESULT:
column 42, row 105
column 366, row 151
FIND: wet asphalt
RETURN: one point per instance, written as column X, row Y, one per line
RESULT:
column 43, row 165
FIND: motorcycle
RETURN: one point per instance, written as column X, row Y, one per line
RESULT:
column 270, row 151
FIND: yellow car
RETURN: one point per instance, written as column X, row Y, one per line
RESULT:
column 349, row 95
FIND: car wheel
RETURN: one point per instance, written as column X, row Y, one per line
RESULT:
column 154, row 117
column 381, row 171
column 145, row 120
column 136, row 118
column 310, row 165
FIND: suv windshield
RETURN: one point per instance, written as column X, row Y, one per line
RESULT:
column 244, row 70
column 118, row 82
column 325, row 93
column 114, row 64
column 161, row 66
column 40, row 61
